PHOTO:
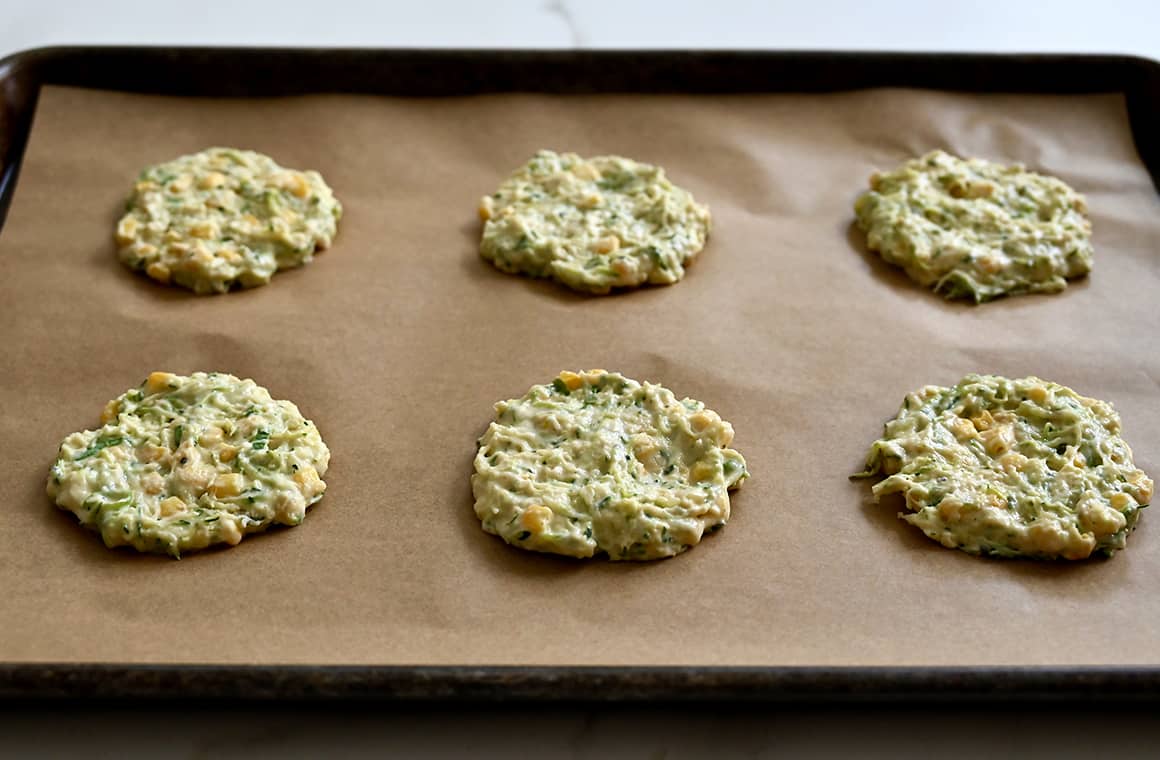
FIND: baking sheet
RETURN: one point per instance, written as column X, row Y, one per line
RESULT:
column 397, row 341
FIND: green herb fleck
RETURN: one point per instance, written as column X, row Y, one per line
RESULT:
column 99, row 445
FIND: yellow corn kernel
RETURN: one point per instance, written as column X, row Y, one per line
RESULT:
column 211, row 437
column 1046, row 537
column 202, row 230
column 593, row 374
column 227, row 453
column 1012, row 462
column 703, row 471
column 211, row 180
column 171, row 506
column 1081, row 547
column 180, row 185
column 592, row 200
column 145, row 186
column 152, row 483
column 1120, row 501
column 1038, row 394
column 1143, row 485
column 308, row 480
column 159, row 381
column 229, row 531
column 536, row 518
column 571, row 380
column 486, row 208
column 158, row 271
column 227, row 485
column 997, row 440
column 983, row 420
column 110, row 412
column 950, row 509
column 607, row 245
column 585, row 171
column 151, row 453
column 702, row 420
column 990, row 264
column 126, row 230
column 963, row 429
column 297, row 185
column 644, row 448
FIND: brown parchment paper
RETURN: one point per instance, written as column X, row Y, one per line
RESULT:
column 397, row 341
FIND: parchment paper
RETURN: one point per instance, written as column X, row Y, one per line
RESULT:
column 397, row 341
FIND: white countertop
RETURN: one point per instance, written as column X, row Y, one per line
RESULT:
column 1077, row 26
column 1111, row 26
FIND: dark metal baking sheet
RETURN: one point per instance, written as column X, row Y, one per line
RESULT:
column 258, row 72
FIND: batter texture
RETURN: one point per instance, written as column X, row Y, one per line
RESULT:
column 223, row 218
column 592, row 224
column 1012, row 468
column 976, row 230
column 181, row 463
column 594, row 462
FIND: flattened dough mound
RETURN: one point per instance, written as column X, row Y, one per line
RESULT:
column 1012, row 468
column 596, row 462
column 181, row 463
column 593, row 225
column 977, row 230
column 224, row 217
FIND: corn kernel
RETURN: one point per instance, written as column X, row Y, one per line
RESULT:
column 110, row 412
column 536, row 518
column 585, row 171
column 202, row 230
column 983, row 420
column 229, row 531
column 1038, row 394
column 159, row 381
column 571, row 380
column 702, row 420
column 212, row 180
column 227, row 485
column 963, row 429
column 607, row 245
column 126, row 230
column 158, row 271
column 211, row 437
column 1120, row 501
column 486, row 208
column 308, row 480
column 703, row 471
column 171, row 506
column 990, row 264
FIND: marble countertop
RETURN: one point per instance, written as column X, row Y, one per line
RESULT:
column 921, row 730
column 1076, row 26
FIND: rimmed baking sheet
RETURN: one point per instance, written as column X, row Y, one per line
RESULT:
column 397, row 340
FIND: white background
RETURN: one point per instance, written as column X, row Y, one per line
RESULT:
column 922, row 730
